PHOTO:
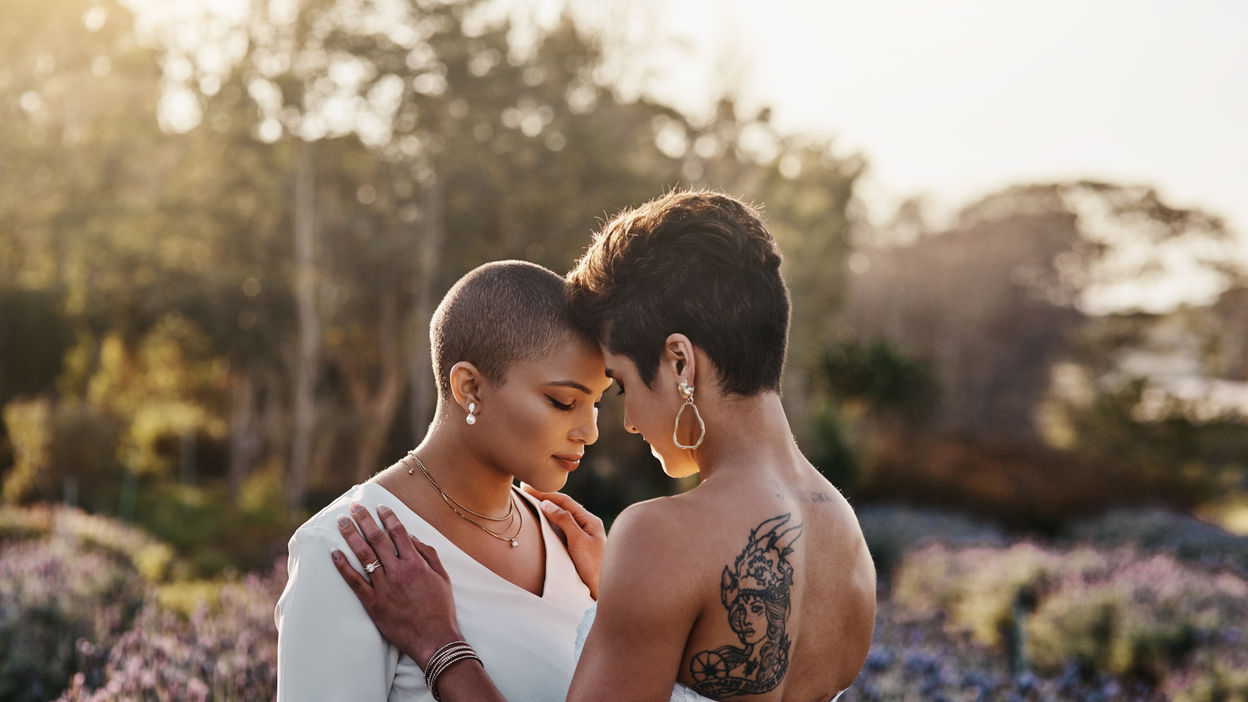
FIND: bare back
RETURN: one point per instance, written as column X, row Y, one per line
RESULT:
column 788, row 594
column 750, row 585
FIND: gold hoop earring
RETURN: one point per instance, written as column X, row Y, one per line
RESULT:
column 686, row 391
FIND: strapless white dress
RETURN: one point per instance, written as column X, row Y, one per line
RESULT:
column 680, row 693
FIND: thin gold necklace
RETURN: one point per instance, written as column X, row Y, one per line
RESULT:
column 463, row 511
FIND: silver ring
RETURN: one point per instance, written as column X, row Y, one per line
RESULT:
column 373, row 566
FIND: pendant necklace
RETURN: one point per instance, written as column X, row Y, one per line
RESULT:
column 513, row 515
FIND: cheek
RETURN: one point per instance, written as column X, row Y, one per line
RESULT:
column 523, row 424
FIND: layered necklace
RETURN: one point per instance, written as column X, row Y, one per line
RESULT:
column 514, row 518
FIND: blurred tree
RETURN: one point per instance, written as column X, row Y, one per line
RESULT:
column 250, row 218
column 874, row 394
column 994, row 301
column 997, row 304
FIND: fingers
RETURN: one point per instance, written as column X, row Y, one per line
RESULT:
column 377, row 537
column 561, row 518
column 355, row 541
column 355, row 581
column 430, row 554
column 397, row 532
column 567, row 511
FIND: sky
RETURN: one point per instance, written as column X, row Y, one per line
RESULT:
column 952, row 99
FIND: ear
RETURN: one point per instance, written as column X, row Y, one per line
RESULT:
column 466, row 383
column 679, row 357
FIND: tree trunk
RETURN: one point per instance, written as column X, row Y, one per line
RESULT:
column 423, row 389
column 307, row 361
column 376, row 406
column 245, row 431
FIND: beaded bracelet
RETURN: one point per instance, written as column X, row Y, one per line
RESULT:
column 444, row 658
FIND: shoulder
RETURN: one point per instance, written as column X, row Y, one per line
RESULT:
column 654, row 529
column 651, row 548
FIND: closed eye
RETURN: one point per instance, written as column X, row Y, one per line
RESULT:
column 559, row 405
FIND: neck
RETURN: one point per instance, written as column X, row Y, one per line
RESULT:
column 448, row 455
column 750, row 434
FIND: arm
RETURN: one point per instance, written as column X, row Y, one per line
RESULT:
column 327, row 649
column 648, row 606
column 410, row 600
column 583, row 534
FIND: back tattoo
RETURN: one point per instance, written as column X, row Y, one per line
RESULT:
column 756, row 592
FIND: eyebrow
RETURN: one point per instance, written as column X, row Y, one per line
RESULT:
column 571, row 384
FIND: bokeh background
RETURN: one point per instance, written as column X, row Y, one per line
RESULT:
column 1014, row 239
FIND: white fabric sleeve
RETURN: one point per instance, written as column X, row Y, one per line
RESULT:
column 327, row 646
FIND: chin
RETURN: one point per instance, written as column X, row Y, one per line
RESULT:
column 680, row 468
column 549, row 483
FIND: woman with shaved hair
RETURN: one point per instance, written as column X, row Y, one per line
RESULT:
column 517, row 384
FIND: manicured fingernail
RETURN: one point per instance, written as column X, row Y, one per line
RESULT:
column 549, row 507
column 357, row 507
column 343, row 522
column 383, row 509
column 335, row 555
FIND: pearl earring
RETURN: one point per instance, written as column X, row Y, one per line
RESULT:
column 472, row 413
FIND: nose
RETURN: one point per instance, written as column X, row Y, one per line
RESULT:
column 587, row 429
column 628, row 424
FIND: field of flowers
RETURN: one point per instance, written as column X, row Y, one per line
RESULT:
column 87, row 613
column 1130, row 606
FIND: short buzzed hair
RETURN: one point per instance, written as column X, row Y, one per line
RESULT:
column 497, row 314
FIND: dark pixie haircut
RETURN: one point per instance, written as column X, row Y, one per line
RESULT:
column 497, row 314
column 695, row 262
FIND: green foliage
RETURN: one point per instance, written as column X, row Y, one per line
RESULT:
column 830, row 450
column 34, row 336
column 880, row 376
column 61, row 449
column 1170, row 457
column 211, row 532
column 867, row 392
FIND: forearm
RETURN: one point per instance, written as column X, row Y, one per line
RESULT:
column 466, row 681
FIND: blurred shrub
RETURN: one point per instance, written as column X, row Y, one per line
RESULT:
column 893, row 530
column 1146, row 618
column 60, row 449
column 226, row 650
column 152, row 558
column 921, row 660
column 34, row 337
column 211, row 532
column 1140, row 617
column 56, row 592
column 1022, row 484
column 1186, row 538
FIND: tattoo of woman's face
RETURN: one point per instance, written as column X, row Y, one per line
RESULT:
column 756, row 592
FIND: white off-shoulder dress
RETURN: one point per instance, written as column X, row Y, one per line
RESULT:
column 329, row 649
column 680, row 693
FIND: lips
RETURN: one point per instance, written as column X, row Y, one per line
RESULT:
column 569, row 461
